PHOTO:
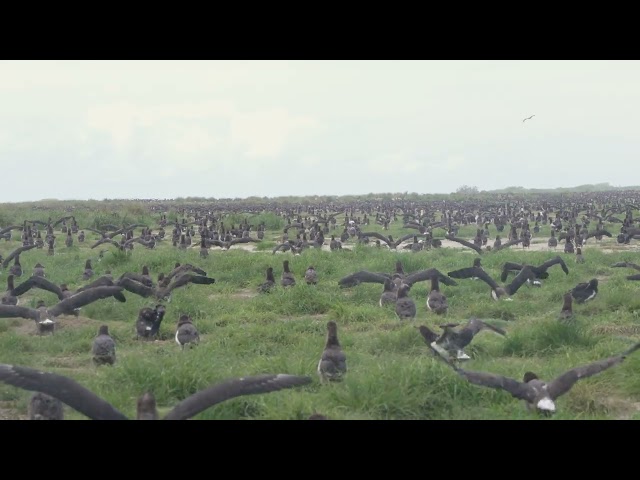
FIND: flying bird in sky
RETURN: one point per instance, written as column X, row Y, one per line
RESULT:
column 528, row 118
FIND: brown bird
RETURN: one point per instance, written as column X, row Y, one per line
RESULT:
column 333, row 361
column 104, row 347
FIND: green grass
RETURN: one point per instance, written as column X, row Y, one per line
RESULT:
column 392, row 374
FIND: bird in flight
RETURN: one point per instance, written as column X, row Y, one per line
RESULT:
column 528, row 118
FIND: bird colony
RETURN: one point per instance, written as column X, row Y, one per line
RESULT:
column 364, row 308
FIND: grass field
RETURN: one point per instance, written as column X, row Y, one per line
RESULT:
column 392, row 373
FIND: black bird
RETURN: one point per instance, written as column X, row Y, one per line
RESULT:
column 538, row 394
column 164, row 293
column 497, row 291
column 451, row 343
column 44, row 407
column 148, row 321
column 583, row 292
column 539, row 271
column 88, row 403
column 45, row 316
column 528, row 118
column 270, row 282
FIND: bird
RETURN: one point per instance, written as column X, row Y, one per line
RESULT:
column 539, row 271
column 104, row 347
column 451, row 343
column 149, row 320
column 269, row 283
column 389, row 294
column 38, row 270
column 160, row 292
column 405, row 306
column 436, row 300
column 45, row 316
column 71, row 393
column 288, row 279
column 528, row 118
column 333, row 361
column 45, row 407
column 583, row 292
column 566, row 313
column 497, row 292
column 311, row 276
column 88, row 270
column 579, row 256
column 186, row 332
column 539, row 395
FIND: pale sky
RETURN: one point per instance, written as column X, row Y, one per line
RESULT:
column 166, row 129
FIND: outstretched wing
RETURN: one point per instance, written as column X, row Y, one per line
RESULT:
column 626, row 264
column 598, row 233
column 509, row 267
column 470, row 272
column 362, row 277
column 377, row 235
column 38, row 282
column 465, row 243
column 237, row 387
column 554, row 261
column 564, row 382
column 84, row 298
column 634, row 277
column 516, row 389
column 186, row 278
column 508, row 244
column 14, row 311
column 136, row 287
column 525, row 274
column 16, row 252
column 428, row 274
column 65, row 389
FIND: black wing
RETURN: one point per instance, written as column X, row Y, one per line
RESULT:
column 204, row 399
column 14, row 311
column 362, row 277
column 564, row 382
column 626, row 264
column 470, row 272
column 428, row 274
column 634, row 277
column 555, row 261
column 186, row 278
column 508, row 244
column 84, row 298
column 525, row 274
column 65, row 389
column 38, row 282
column 16, row 252
column 379, row 236
column 103, row 281
column 516, row 389
column 509, row 267
column 465, row 243
column 598, row 232
column 136, row 287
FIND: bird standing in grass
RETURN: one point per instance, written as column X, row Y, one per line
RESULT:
column 333, row 362
column 310, row 276
column 104, row 347
column 186, row 333
column 44, row 407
